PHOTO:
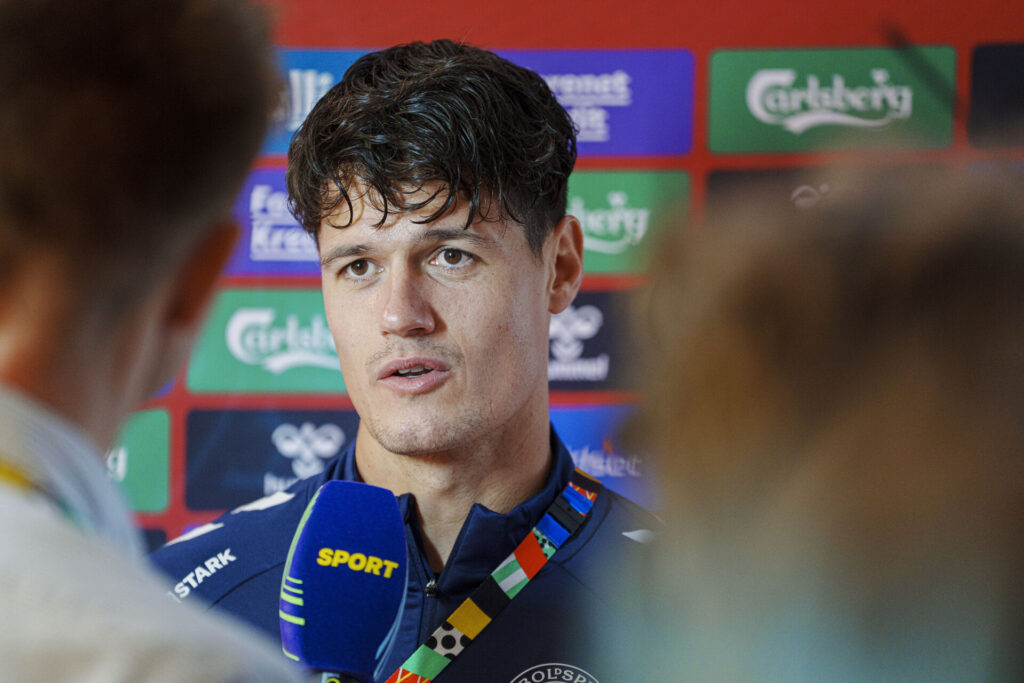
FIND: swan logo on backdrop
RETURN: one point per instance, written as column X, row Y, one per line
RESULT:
column 804, row 100
column 584, row 344
column 236, row 456
column 144, row 438
column 589, row 433
column 624, row 102
column 620, row 212
column 307, row 447
column 273, row 243
column 308, row 74
column 266, row 340
column 568, row 330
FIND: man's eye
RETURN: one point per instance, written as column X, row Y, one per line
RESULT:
column 450, row 256
column 358, row 268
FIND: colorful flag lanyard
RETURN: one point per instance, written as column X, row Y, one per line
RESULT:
column 565, row 515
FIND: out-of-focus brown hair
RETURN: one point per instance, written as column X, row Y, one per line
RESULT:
column 841, row 390
column 126, row 128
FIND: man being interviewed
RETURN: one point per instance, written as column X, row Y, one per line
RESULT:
column 434, row 179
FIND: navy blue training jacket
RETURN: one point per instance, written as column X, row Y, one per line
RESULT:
column 236, row 563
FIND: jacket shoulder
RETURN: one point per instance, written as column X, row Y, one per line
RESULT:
column 619, row 534
column 210, row 561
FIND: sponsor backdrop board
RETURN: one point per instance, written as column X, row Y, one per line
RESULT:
column 272, row 242
column 591, row 435
column 624, row 102
column 997, row 96
column 263, row 340
column 621, row 213
column 808, row 100
column 140, row 460
column 307, row 74
column 586, row 350
column 281, row 447
column 791, row 188
column 679, row 111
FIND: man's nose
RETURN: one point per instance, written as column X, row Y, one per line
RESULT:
column 407, row 310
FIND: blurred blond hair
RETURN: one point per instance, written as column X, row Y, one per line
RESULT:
column 836, row 407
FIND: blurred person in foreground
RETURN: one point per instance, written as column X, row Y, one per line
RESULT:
column 837, row 410
column 127, row 128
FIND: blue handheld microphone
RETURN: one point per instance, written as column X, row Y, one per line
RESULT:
column 344, row 581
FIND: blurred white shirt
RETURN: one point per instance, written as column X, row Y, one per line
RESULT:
column 80, row 603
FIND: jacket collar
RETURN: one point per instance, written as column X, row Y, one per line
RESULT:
column 487, row 537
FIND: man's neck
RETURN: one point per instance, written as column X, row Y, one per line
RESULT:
column 499, row 473
column 56, row 354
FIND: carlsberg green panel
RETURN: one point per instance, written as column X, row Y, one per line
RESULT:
column 266, row 341
column 621, row 212
column 806, row 100
column 140, row 460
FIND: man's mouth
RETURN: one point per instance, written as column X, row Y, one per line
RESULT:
column 417, row 371
column 408, row 374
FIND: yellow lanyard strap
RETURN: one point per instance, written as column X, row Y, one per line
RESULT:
column 15, row 476
column 19, row 478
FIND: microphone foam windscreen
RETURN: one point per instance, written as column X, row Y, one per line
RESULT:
column 344, row 579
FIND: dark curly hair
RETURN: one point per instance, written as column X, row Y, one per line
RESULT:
column 461, row 119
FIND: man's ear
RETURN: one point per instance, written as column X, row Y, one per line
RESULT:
column 565, row 271
column 195, row 281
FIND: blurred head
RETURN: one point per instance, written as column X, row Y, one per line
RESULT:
column 460, row 121
column 835, row 405
column 127, row 129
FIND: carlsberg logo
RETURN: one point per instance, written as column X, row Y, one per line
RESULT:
column 612, row 230
column 775, row 97
column 254, row 339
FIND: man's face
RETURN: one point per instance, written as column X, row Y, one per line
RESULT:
column 441, row 331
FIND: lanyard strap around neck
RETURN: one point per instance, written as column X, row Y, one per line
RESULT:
column 17, row 477
column 566, row 514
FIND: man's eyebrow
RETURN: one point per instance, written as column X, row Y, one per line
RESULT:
column 451, row 234
column 342, row 251
column 433, row 235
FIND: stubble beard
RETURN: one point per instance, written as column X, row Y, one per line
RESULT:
column 426, row 436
